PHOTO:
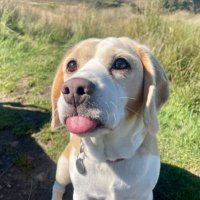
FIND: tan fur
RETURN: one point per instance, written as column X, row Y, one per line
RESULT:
column 147, row 89
column 55, row 93
column 74, row 143
column 83, row 52
column 154, row 77
column 154, row 71
column 86, row 51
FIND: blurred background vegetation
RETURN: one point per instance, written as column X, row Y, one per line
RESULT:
column 35, row 34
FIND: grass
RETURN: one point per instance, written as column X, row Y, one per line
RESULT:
column 33, row 39
column 23, row 160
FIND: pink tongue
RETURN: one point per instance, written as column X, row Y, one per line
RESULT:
column 79, row 125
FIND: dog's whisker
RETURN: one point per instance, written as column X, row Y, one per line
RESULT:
column 127, row 98
column 115, row 119
column 106, row 111
column 130, row 109
column 107, row 120
column 111, row 102
column 106, row 104
column 107, row 117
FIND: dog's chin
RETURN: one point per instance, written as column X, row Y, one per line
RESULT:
column 88, row 121
column 99, row 131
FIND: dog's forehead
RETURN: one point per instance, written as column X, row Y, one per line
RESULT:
column 110, row 42
column 85, row 49
column 109, row 47
column 98, row 48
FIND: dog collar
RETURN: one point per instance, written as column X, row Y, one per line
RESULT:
column 80, row 161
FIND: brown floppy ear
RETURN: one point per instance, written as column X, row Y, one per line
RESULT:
column 56, row 90
column 156, row 84
column 55, row 93
column 156, row 88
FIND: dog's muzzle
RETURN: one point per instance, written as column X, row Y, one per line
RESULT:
column 77, row 91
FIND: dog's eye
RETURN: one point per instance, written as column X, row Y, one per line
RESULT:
column 120, row 64
column 71, row 66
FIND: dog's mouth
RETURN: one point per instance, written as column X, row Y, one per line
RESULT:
column 81, row 125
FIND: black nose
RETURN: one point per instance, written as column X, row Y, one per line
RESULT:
column 77, row 90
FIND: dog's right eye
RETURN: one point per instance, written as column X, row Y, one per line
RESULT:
column 71, row 66
column 120, row 64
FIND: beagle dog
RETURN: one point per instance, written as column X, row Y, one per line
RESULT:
column 107, row 92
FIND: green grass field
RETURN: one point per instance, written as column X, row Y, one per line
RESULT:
column 33, row 39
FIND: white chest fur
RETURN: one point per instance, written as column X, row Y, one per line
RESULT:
column 129, row 179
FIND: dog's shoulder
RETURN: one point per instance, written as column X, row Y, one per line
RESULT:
column 74, row 143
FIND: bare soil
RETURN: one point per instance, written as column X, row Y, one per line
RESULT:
column 33, row 181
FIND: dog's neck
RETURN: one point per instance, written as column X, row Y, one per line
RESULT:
column 121, row 143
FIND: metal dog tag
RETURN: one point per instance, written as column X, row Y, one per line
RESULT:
column 80, row 166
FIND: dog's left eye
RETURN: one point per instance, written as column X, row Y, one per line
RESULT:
column 71, row 66
column 120, row 64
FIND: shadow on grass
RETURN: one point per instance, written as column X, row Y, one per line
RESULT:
column 177, row 184
column 22, row 119
column 26, row 171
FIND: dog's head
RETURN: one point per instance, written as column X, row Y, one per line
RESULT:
column 102, row 83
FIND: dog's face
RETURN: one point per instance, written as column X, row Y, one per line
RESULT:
column 102, row 83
